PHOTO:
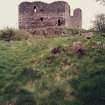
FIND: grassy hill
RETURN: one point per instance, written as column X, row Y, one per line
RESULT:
column 39, row 71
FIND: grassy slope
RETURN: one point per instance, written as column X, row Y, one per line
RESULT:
column 29, row 68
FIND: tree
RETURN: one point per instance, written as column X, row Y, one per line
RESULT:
column 99, row 26
column 101, row 1
column 99, row 23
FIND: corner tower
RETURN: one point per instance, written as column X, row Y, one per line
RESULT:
column 78, row 17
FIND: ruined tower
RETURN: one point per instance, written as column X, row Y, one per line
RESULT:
column 40, row 18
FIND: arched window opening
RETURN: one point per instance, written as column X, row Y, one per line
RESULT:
column 35, row 9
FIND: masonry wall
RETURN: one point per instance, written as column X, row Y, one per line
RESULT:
column 38, row 17
column 76, row 19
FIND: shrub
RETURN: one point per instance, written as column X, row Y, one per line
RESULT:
column 30, row 74
column 56, row 97
column 25, row 98
column 75, row 31
column 57, row 50
column 9, row 34
column 78, row 48
column 72, row 31
column 20, row 34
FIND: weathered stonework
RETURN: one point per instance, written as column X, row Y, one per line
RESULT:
column 40, row 18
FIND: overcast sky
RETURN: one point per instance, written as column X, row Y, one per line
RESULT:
column 9, row 11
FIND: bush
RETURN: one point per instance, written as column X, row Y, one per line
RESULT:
column 20, row 34
column 28, row 74
column 57, row 50
column 56, row 97
column 78, row 48
column 75, row 31
column 25, row 98
column 9, row 34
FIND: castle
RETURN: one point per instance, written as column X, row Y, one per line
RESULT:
column 41, row 18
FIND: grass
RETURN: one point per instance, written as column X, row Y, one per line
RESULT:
column 31, row 73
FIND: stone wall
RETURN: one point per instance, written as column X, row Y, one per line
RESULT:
column 39, row 16
column 76, row 19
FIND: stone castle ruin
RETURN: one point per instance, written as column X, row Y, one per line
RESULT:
column 40, row 18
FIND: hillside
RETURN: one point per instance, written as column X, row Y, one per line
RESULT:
column 39, row 71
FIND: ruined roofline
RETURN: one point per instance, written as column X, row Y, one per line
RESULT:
column 43, row 3
column 63, row 2
column 78, row 9
column 26, row 3
column 29, row 7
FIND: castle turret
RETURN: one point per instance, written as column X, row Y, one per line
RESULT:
column 78, row 17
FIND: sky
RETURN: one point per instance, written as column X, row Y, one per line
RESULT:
column 9, row 11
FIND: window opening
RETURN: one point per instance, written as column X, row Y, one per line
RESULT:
column 35, row 9
column 41, row 18
column 59, row 22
